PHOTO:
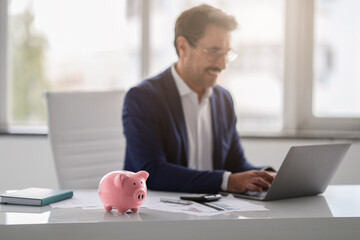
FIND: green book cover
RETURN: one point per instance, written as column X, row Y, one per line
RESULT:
column 35, row 196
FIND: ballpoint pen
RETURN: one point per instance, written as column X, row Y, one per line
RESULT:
column 176, row 201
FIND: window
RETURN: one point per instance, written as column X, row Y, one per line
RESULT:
column 69, row 45
column 296, row 72
column 328, row 77
column 337, row 58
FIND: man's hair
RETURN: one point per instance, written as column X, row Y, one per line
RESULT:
column 192, row 23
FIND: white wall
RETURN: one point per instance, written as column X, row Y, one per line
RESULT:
column 27, row 161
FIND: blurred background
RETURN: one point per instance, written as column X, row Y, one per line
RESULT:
column 93, row 44
column 296, row 80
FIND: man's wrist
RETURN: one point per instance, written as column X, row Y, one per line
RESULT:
column 225, row 181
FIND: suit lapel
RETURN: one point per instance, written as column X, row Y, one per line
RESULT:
column 174, row 101
column 216, row 131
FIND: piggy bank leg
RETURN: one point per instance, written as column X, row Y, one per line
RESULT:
column 121, row 210
column 135, row 209
column 108, row 208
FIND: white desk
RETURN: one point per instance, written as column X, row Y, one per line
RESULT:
column 333, row 215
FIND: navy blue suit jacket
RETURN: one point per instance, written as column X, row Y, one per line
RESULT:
column 155, row 131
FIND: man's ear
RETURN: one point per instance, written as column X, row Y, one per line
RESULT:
column 182, row 46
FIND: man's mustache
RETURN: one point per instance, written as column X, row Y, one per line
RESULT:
column 213, row 69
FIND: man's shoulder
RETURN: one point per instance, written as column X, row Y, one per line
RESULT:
column 222, row 92
column 154, row 85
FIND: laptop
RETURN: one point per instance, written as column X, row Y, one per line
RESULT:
column 306, row 171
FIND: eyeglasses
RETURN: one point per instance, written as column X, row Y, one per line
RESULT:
column 213, row 54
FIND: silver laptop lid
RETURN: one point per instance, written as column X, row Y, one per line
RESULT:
column 307, row 170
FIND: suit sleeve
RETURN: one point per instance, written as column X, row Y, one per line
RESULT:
column 235, row 160
column 145, row 131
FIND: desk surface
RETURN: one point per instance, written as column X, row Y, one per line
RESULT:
column 332, row 215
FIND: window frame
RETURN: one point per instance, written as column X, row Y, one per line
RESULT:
column 299, row 75
column 3, row 65
column 298, row 119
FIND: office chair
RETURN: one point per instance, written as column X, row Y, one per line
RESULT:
column 86, row 136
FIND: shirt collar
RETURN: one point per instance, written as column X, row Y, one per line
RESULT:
column 183, row 88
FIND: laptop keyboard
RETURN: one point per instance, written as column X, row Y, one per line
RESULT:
column 256, row 194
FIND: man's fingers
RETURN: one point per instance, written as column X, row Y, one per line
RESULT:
column 257, row 184
column 261, row 183
column 253, row 180
column 266, row 176
column 253, row 187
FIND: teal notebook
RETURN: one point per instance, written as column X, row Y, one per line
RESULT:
column 35, row 196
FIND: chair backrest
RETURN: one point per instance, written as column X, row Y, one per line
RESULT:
column 86, row 135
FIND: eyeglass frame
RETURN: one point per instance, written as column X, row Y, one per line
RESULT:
column 213, row 57
column 215, row 53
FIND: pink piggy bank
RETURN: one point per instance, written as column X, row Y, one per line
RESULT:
column 123, row 190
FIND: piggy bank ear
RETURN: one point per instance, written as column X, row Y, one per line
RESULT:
column 143, row 174
column 119, row 179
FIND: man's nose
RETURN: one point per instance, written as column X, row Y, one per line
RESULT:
column 222, row 61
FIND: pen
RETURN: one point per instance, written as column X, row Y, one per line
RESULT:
column 176, row 201
column 213, row 206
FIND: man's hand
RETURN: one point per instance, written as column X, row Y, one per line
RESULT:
column 250, row 180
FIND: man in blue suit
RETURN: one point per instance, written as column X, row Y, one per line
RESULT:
column 180, row 126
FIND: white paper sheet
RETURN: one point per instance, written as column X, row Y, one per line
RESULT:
column 91, row 200
column 193, row 209
column 227, row 204
column 230, row 203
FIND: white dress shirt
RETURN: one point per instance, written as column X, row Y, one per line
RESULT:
column 199, row 129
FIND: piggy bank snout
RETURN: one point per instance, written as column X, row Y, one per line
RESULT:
column 139, row 195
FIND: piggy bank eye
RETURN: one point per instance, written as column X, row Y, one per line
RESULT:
column 134, row 184
column 141, row 182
